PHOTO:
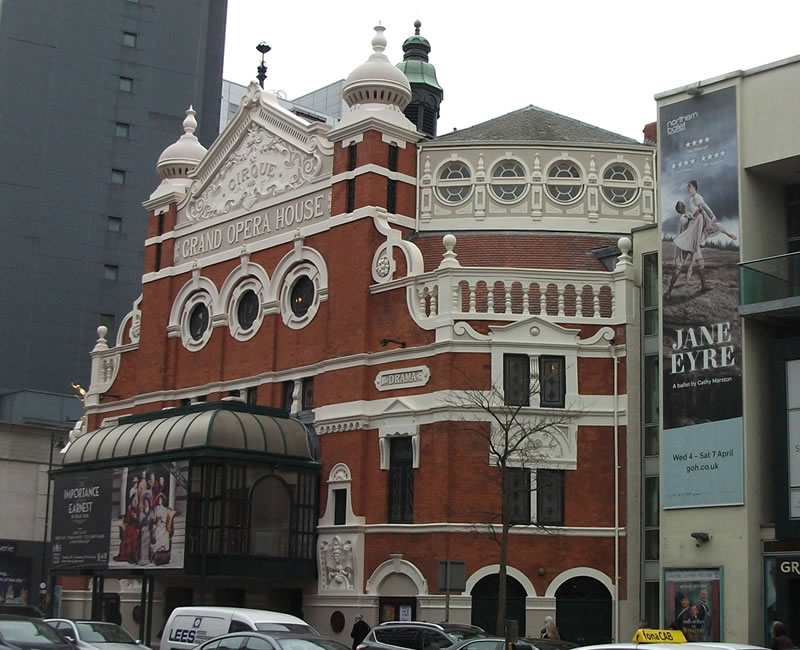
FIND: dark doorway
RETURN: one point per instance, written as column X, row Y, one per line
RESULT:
column 583, row 611
column 174, row 597
column 228, row 597
column 397, row 608
column 484, row 604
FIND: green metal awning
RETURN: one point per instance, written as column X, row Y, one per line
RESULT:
column 220, row 425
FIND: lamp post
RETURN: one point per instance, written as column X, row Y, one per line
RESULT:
column 44, row 585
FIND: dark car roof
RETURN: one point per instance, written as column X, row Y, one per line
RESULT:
column 279, row 636
column 26, row 611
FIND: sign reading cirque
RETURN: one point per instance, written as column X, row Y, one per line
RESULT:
column 702, row 371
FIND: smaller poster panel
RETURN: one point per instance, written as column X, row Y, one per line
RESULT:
column 14, row 580
column 693, row 602
column 703, row 465
column 148, row 526
column 81, row 511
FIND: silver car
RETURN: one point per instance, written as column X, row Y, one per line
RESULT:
column 95, row 635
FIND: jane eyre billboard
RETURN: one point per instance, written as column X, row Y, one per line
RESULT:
column 120, row 517
column 702, row 365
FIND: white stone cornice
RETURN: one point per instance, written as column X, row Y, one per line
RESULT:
column 384, row 123
column 372, row 168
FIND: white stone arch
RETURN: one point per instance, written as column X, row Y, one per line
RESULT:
column 197, row 290
column 301, row 261
column 494, row 569
column 579, row 572
column 197, row 283
column 247, row 276
column 397, row 565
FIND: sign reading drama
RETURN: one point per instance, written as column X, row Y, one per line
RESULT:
column 255, row 226
column 120, row 517
column 702, row 365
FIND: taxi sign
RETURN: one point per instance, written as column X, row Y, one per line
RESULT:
column 658, row 636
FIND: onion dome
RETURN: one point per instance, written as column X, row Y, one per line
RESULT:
column 415, row 63
column 180, row 158
column 426, row 93
column 377, row 81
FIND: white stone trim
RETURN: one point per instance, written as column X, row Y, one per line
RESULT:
column 385, row 433
column 197, row 289
column 372, row 168
column 579, row 572
column 247, row 276
column 396, row 565
column 301, row 261
column 493, row 569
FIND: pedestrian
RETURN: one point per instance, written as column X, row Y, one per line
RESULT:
column 780, row 638
column 359, row 631
column 550, row 631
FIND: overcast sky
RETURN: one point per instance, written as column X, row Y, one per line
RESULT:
column 600, row 62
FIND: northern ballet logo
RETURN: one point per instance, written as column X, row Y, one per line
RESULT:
column 679, row 123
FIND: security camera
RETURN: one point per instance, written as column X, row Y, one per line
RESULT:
column 701, row 538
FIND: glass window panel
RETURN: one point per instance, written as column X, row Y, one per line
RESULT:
column 651, row 501
column 651, row 544
column 517, row 379
column 401, row 481
column 552, row 381
column 550, row 497
column 518, row 494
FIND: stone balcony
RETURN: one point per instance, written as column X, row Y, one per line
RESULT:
column 451, row 292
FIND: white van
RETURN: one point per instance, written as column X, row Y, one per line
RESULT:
column 190, row 626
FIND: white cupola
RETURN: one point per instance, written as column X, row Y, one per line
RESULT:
column 377, row 92
column 377, row 81
column 180, row 158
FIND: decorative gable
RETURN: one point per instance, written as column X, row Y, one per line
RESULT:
column 264, row 153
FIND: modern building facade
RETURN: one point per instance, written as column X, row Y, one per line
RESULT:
column 361, row 354
column 725, row 467
column 92, row 92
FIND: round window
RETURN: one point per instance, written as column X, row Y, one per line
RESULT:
column 619, row 185
column 454, row 183
column 198, row 321
column 302, row 295
column 247, row 309
column 564, row 182
column 508, row 181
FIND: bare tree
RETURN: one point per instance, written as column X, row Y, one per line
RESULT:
column 517, row 434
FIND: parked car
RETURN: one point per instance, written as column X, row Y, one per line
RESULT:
column 95, row 635
column 418, row 635
column 21, row 610
column 550, row 644
column 26, row 633
column 271, row 641
column 498, row 643
column 187, row 627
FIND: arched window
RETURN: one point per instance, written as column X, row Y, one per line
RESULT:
column 270, row 507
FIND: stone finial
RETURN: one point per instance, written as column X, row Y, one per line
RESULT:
column 379, row 40
column 449, row 258
column 625, row 245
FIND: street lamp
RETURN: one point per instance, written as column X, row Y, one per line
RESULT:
column 44, row 585
column 262, row 69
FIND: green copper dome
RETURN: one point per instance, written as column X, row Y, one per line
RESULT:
column 415, row 64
